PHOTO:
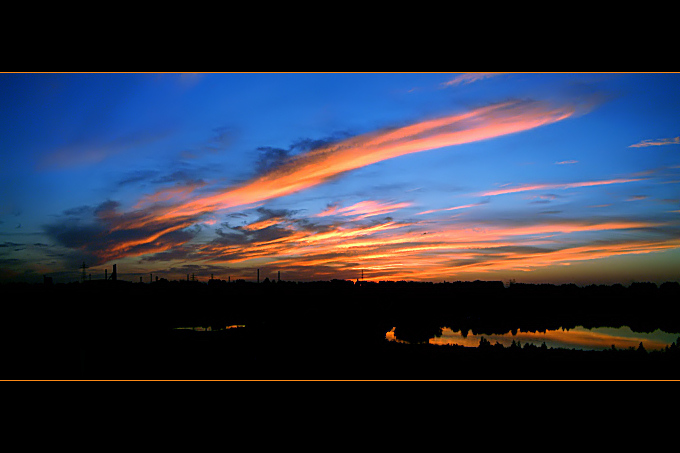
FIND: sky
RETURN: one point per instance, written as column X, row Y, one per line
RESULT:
column 532, row 177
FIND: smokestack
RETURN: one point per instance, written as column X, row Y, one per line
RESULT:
column 278, row 278
column 258, row 276
column 114, row 274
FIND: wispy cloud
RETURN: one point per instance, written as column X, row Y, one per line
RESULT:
column 470, row 77
column 423, row 250
column 320, row 165
column 566, row 162
column 364, row 209
column 159, row 221
column 657, row 142
column 528, row 187
column 454, row 208
column 95, row 151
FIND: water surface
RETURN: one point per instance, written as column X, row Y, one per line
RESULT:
column 577, row 338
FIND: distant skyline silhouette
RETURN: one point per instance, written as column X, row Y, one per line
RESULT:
column 432, row 177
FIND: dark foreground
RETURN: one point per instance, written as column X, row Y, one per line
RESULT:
column 325, row 330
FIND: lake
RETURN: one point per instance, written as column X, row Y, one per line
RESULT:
column 577, row 338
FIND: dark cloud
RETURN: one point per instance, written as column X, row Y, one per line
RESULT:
column 78, row 211
column 73, row 234
column 266, row 214
column 514, row 249
column 137, row 176
column 203, row 271
column 10, row 244
column 99, row 234
column 178, row 253
column 222, row 139
column 224, row 136
column 270, row 158
column 308, row 144
column 240, row 236
column 106, row 209
column 179, row 176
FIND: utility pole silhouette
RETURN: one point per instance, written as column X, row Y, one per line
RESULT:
column 84, row 266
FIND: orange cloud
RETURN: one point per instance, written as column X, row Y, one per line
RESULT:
column 397, row 251
column 318, row 166
column 364, row 209
column 528, row 187
column 157, row 218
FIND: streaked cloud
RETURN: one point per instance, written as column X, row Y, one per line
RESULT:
column 529, row 187
column 454, row 208
column 90, row 152
column 319, row 165
column 657, row 142
column 423, row 250
column 470, row 77
column 342, row 239
column 566, row 162
column 364, row 209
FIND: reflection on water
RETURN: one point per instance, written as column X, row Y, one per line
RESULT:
column 209, row 328
column 577, row 338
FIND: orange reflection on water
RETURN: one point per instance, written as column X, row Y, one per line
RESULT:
column 577, row 338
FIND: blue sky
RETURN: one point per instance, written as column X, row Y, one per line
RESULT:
column 417, row 176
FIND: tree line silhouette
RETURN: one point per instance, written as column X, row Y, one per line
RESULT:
column 324, row 330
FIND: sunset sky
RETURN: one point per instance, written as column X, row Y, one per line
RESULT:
column 560, row 178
